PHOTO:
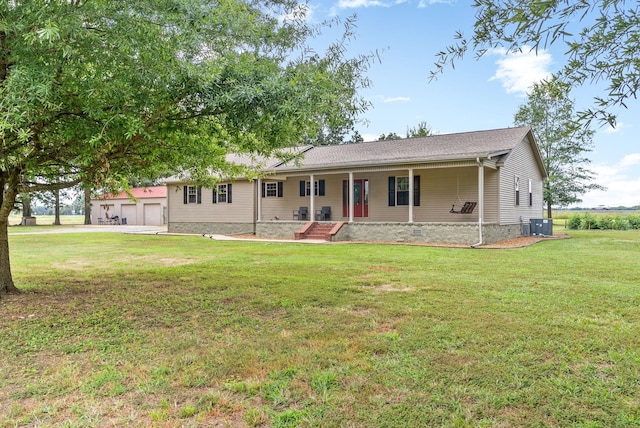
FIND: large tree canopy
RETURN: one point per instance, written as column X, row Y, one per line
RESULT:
column 95, row 91
column 563, row 142
column 601, row 38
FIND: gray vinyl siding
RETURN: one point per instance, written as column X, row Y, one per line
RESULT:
column 274, row 207
column 240, row 210
column 491, row 196
column 447, row 187
column 283, row 207
column 520, row 162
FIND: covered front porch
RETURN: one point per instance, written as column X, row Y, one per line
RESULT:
column 416, row 203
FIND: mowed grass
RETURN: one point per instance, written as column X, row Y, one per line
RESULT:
column 43, row 220
column 139, row 330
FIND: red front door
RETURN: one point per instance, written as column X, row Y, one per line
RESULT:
column 360, row 198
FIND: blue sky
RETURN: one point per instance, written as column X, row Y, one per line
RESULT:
column 477, row 94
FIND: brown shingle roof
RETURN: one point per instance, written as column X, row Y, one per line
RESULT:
column 261, row 162
column 466, row 145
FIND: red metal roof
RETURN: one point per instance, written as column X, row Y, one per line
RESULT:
column 141, row 193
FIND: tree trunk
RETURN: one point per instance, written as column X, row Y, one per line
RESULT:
column 7, row 200
column 87, row 205
column 57, row 208
column 6, row 279
column 549, row 214
column 26, row 206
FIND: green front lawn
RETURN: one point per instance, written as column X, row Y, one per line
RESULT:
column 138, row 330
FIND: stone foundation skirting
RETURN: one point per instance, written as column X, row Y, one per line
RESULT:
column 212, row 228
column 448, row 233
column 499, row 232
column 278, row 229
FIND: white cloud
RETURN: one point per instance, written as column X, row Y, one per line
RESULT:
column 630, row 160
column 618, row 128
column 397, row 100
column 424, row 3
column 354, row 4
column 622, row 181
column 519, row 71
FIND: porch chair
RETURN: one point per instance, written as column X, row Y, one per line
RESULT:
column 301, row 213
column 467, row 208
column 323, row 214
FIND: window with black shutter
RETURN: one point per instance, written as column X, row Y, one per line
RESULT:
column 318, row 188
column 273, row 189
column 222, row 193
column 399, row 191
column 192, row 195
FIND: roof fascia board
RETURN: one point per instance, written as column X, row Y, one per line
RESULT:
column 534, row 145
column 302, row 150
column 383, row 168
column 390, row 163
column 496, row 154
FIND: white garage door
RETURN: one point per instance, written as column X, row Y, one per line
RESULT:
column 152, row 215
column 129, row 211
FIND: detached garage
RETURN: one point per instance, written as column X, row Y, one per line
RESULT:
column 148, row 207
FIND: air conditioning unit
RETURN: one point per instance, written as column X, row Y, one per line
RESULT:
column 541, row 226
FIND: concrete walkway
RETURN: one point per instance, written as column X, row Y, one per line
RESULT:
column 81, row 228
column 296, row 241
column 149, row 230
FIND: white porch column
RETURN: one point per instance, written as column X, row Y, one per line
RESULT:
column 312, row 200
column 351, row 197
column 410, row 195
column 259, row 199
column 480, row 200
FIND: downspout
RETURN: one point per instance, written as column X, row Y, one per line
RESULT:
column 312, row 201
column 480, row 202
column 258, row 193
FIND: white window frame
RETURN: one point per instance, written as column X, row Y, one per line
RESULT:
column 315, row 188
column 516, row 185
column 192, row 194
column 271, row 190
column 398, row 189
column 221, row 193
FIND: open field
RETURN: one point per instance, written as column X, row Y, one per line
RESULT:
column 47, row 220
column 172, row 331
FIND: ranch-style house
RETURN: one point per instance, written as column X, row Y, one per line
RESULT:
column 464, row 188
